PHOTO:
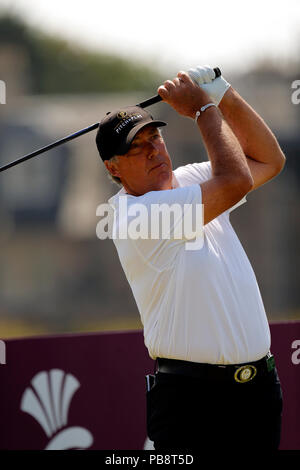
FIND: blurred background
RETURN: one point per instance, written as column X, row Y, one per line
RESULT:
column 65, row 64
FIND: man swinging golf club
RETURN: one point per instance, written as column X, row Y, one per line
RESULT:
column 216, row 384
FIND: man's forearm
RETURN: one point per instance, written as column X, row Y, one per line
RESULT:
column 255, row 137
column 224, row 150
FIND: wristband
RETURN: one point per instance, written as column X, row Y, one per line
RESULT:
column 203, row 109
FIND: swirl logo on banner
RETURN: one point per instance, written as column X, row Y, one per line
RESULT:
column 48, row 401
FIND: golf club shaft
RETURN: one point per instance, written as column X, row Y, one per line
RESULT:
column 143, row 104
column 50, row 146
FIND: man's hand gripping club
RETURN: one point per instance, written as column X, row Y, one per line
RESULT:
column 185, row 96
column 204, row 77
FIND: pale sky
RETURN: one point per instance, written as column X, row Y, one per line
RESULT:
column 174, row 34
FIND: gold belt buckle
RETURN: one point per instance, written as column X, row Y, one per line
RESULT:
column 245, row 373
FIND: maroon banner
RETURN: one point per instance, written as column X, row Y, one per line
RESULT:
column 286, row 349
column 74, row 391
column 88, row 391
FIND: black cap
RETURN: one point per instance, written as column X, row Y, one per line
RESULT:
column 118, row 129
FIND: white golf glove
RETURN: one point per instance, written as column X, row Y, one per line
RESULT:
column 204, row 76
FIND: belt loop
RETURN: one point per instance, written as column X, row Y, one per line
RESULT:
column 155, row 366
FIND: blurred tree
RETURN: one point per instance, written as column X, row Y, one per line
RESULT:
column 57, row 66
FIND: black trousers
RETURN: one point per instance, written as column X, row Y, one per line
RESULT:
column 195, row 415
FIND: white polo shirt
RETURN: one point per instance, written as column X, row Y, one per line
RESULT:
column 196, row 305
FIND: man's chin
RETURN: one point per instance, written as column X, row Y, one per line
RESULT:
column 164, row 181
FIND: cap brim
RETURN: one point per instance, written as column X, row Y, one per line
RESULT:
column 131, row 135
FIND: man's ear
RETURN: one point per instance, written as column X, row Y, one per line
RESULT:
column 113, row 167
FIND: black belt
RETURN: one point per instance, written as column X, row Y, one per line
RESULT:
column 240, row 373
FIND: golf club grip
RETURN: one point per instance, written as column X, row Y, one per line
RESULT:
column 158, row 98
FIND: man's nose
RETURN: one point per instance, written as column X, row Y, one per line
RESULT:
column 152, row 150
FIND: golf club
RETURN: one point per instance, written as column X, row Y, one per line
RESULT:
column 143, row 104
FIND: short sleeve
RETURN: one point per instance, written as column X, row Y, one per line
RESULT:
column 193, row 173
column 199, row 173
column 238, row 204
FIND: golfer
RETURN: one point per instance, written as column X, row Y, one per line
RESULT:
column 216, row 385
